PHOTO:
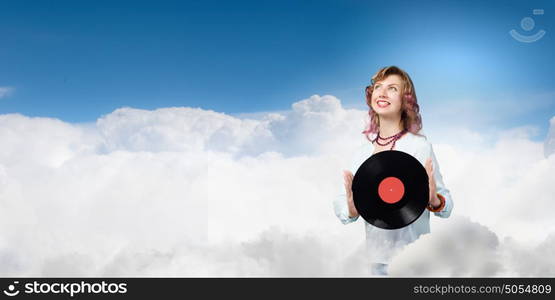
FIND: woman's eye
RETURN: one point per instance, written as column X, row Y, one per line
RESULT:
column 393, row 88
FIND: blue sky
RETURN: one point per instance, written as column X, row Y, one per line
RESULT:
column 78, row 60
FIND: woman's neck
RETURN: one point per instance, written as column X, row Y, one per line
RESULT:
column 390, row 126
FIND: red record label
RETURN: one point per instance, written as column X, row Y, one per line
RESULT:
column 391, row 190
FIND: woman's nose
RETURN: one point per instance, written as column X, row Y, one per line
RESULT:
column 382, row 93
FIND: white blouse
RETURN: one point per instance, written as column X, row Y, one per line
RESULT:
column 383, row 244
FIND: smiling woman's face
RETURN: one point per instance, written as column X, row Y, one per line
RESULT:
column 387, row 96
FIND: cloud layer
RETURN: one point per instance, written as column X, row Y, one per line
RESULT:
column 464, row 248
column 549, row 145
column 191, row 192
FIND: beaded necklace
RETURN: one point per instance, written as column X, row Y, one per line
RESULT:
column 390, row 139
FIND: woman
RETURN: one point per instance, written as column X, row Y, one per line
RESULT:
column 395, row 124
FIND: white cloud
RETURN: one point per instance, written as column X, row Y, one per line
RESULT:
column 459, row 248
column 304, row 129
column 507, row 186
column 549, row 145
column 190, row 192
column 5, row 91
column 462, row 248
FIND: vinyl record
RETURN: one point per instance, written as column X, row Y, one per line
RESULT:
column 390, row 189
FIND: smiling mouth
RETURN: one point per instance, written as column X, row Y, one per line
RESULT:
column 382, row 103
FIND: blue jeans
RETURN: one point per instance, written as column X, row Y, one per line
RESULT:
column 378, row 269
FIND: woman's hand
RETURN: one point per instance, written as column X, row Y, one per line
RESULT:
column 433, row 200
column 348, row 178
